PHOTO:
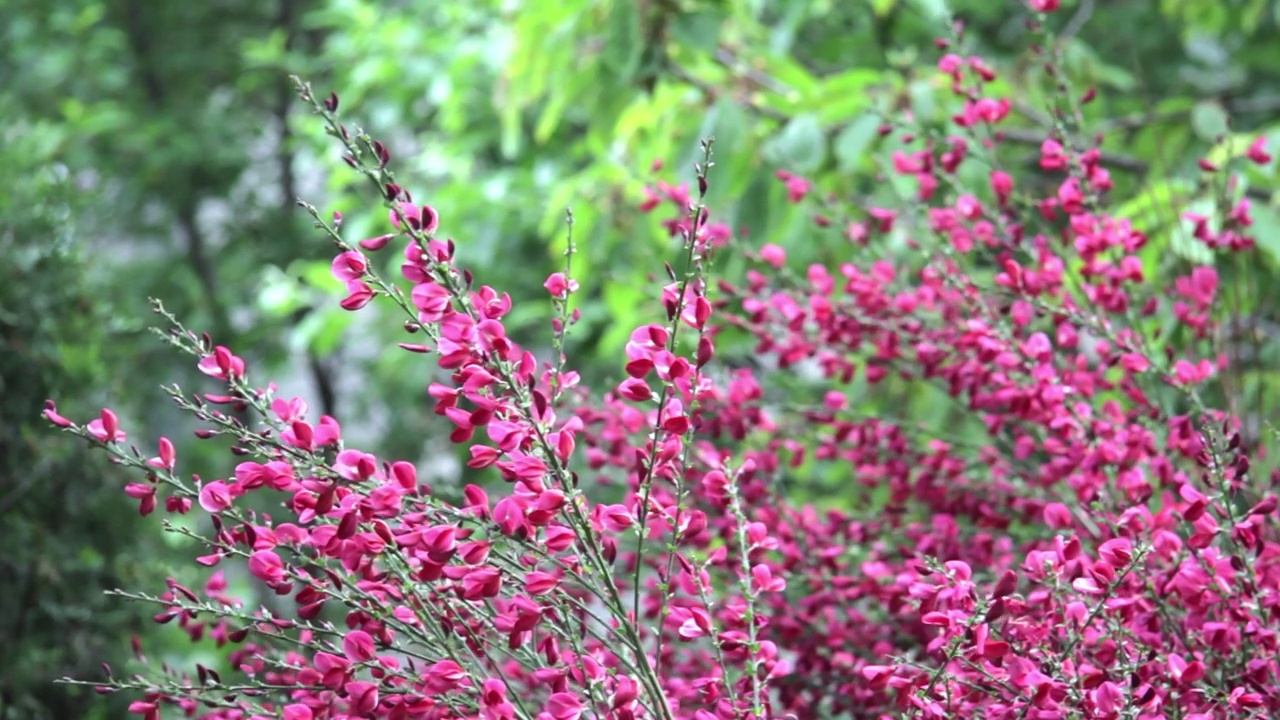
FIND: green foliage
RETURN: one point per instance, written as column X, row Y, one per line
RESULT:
column 70, row 534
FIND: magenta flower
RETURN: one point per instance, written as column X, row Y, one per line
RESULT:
column 222, row 365
column 215, row 496
column 106, row 428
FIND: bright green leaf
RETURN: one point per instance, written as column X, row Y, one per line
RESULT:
column 279, row 295
column 317, row 274
column 1209, row 120
column 1266, row 231
column 800, row 147
column 852, row 142
column 623, row 43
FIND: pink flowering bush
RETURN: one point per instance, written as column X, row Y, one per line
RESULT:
column 1106, row 551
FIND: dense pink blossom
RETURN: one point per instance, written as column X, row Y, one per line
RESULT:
column 1092, row 540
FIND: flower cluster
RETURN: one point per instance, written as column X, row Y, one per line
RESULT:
column 1104, row 551
column 1095, row 543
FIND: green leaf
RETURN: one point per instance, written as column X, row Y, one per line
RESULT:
column 645, row 114
column 625, row 301
column 842, row 96
column 512, row 133
column 796, row 78
column 1156, row 212
column 852, row 142
column 800, row 147
column 696, row 29
column 279, row 295
column 1081, row 60
column 1160, row 199
column 1209, row 120
column 549, row 120
column 883, row 7
column 923, row 101
column 735, row 153
column 1251, row 15
column 623, row 44
column 936, row 10
column 1266, row 232
column 752, row 210
column 321, row 331
column 316, row 273
column 728, row 123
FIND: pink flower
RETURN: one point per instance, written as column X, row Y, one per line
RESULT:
column 762, row 580
column 635, row 389
column 167, row 457
column 773, row 255
column 106, row 428
column 432, row 300
column 444, row 676
column 1052, row 155
column 375, row 244
column 647, row 343
column 215, row 496
column 559, row 538
column 359, row 294
column 797, row 187
column 332, row 670
column 222, row 365
column 1057, row 515
column 560, row 286
column 51, row 414
column 362, row 697
column 1135, row 363
column 615, row 518
column 992, row 111
column 1087, row 586
column 422, row 218
column 148, row 710
column 1187, row 373
column 1257, row 152
column 355, row 465
column 276, row 474
column 1116, row 552
column 884, row 218
column 357, row 645
column 564, row 706
column 267, row 567
column 1070, row 197
column 349, row 266
column 540, row 583
column 145, row 494
column 483, row 582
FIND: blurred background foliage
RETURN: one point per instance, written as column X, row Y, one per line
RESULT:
column 69, row 533
column 156, row 148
